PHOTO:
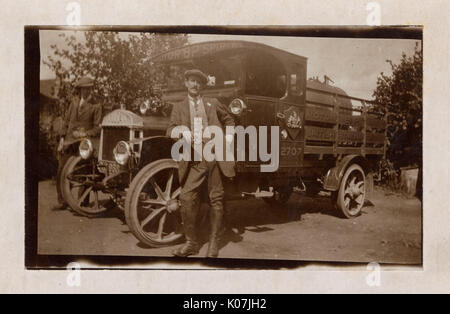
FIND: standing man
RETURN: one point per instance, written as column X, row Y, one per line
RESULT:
column 192, row 174
column 82, row 119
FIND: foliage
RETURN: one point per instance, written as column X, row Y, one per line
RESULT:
column 119, row 64
column 47, row 162
column 387, row 175
column 400, row 97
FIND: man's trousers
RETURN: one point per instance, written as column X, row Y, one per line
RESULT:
column 190, row 197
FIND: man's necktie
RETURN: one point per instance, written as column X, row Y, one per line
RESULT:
column 196, row 101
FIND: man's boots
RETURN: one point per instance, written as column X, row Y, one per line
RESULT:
column 191, row 247
column 216, row 216
column 229, row 231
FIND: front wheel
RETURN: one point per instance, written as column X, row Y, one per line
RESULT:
column 82, row 188
column 152, row 206
column 351, row 195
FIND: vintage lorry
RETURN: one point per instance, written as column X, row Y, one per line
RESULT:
column 328, row 141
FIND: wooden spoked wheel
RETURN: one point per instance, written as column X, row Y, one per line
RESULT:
column 352, row 193
column 82, row 187
column 152, row 206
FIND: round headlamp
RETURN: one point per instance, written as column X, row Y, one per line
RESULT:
column 144, row 106
column 85, row 149
column 122, row 153
column 237, row 106
column 284, row 134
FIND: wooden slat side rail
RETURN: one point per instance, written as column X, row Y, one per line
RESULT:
column 354, row 121
column 325, row 134
column 318, row 150
column 374, row 151
column 319, row 134
column 320, row 115
column 349, row 150
column 375, row 123
column 320, row 99
column 350, row 136
column 375, row 138
column 336, row 126
column 319, row 105
column 342, row 150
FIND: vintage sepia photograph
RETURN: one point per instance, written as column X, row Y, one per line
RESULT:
column 259, row 145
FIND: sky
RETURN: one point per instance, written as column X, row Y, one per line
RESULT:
column 353, row 64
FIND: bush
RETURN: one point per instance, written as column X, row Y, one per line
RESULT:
column 399, row 96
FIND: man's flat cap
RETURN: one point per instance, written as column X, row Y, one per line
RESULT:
column 197, row 73
column 85, row 81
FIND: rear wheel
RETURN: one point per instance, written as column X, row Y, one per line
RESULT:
column 351, row 195
column 152, row 206
column 82, row 187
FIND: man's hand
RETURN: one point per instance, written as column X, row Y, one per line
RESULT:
column 60, row 145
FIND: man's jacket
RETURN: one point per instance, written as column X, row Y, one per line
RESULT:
column 86, row 118
column 217, row 116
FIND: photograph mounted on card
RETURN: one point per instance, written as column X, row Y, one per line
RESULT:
column 188, row 142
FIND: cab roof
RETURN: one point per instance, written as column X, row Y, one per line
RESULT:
column 204, row 49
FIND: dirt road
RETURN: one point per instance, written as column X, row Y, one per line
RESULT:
column 389, row 231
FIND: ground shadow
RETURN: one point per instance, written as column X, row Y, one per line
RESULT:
column 251, row 215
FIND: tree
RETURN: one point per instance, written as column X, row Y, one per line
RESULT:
column 120, row 66
column 400, row 97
